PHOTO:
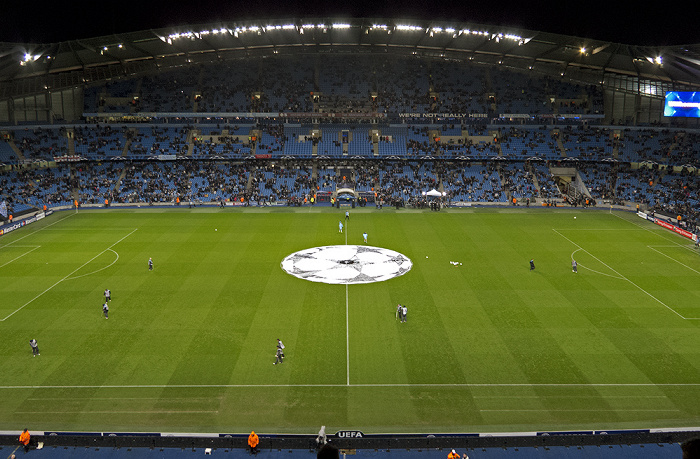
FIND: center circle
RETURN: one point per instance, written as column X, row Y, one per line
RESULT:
column 346, row 264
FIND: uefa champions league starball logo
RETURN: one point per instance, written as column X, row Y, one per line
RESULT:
column 346, row 264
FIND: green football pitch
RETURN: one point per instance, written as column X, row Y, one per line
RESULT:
column 489, row 345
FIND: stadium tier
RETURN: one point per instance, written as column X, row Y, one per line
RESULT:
column 398, row 123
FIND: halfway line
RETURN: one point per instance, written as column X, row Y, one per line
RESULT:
column 436, row 385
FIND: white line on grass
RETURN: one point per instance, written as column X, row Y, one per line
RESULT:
column 65, row 399
column 347, row 336
column 527, row 396
column 593, row 270
column 595, row 410
column 101, row 269
column 121, row 412
column 17, row 258
column 347, row 319
column 66, row 277
column 34, row 232
column 662, row 234
column 624, row 278
column 671, row 258
column 427, row 385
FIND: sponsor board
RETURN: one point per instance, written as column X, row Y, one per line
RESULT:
column 443, row 115
column 349, row 434
column 675, row 229
column 13, row 226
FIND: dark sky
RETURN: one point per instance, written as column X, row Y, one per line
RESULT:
column 641, row 23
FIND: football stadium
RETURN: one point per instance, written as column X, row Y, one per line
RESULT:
column 391, row 236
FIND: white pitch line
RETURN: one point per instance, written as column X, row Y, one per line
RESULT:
column 120, row 412
column 92, row 399
column 347, row 336
column 661, row 234
column 590, row 269
column 582, row 411
column 66, row 277
column 17, row 258
column 624, row 278
column 543, row 396
column 671, row 258
column 347, row 320
column 34, row 232
column 282, row 386
column 97, row 271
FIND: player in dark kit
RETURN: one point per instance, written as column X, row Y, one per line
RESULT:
column 279, row 355
column 532, row 265
column 150, row 264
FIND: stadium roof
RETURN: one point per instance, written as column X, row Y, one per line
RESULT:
column 30, row 68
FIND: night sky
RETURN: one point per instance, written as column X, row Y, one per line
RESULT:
column 639, row 23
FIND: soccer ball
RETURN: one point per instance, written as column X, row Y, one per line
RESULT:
column 574, row 218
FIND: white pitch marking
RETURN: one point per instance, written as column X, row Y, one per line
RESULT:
column 34, row 232
column 101, row 269
column 624, row 278
column 66, row 277
column 671, row 258
column 593, row 270
column 121, row 412
column 347, row 336
column 661, row 234
column 437, row 385
column 347, row 319
column 17, row 258
column 553, row 396
column 583, row 411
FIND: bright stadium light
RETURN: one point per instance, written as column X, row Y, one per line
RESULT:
column 341, row 26
column 409, row 28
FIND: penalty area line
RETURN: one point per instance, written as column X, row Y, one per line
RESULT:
column 66, row 277
column 17, row 258
column 626, row 279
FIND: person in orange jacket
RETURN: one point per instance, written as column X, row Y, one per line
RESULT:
column 24, row 439
column 453, row 455
column 253, row 441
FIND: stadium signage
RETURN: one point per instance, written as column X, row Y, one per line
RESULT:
column 443, row 115
column 514, row 115
column 349, row 434
column 674, row 228
column 9, row 228
column 68, row 158
column 331, row 115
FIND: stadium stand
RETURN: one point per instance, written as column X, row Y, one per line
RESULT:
column 289, row 129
